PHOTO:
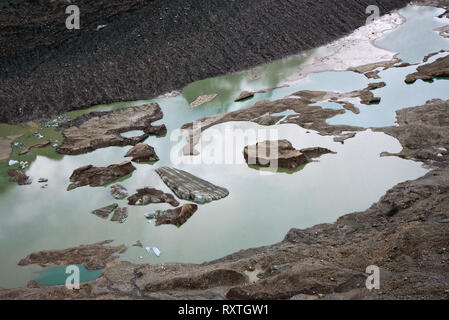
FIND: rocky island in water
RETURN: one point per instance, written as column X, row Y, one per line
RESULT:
column 224, row 150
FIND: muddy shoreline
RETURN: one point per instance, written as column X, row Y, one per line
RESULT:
column 151, row 47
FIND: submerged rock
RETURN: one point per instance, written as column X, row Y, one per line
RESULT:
column 97, row 130
column 99, row 176
column 176, row 217
column 423, row 132
column 189, row 187
column 92, row 256
column 19, row 177
column 118, row 191
column 150, row 195
column 280, row 154
column 142, row 152
column 138, row 244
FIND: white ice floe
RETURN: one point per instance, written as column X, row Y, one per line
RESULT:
column 155, row 251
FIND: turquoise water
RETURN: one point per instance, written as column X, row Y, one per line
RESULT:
column 260, row 208
column 57, row 275
column 416, row 38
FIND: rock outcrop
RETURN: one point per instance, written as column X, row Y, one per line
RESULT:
column 97, row 130
column 19, row 177
column 186, row 186
column 275, row 154
column 423, row 132
column 150, row 195
column 176, row 217
column 438, row 68
column 280, row 154
column 99, row 176
column 142, row 152
column 37, row 145
column 91, row 256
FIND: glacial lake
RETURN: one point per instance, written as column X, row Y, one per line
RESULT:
column 260, row 209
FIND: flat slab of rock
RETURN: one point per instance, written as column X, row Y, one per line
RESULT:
column 203, row 99
column 118, row 191
column 280, row 154
column 186, row 186
column 99, row 176
column 106, row 211
column 120, row 214
column 142, row 152
column 92, row 256
column 150, row 195
column 97, row 130
column 244, row 95
column 19, row 177
column 176, row 217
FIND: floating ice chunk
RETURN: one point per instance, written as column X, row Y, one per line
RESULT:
column 156, row 252
column 12, row 162
column 23, row 164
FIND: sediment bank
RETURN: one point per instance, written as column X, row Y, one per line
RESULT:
column 151, row 47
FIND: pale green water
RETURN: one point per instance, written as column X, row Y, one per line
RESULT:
column 259, row 210
column 57, row 275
